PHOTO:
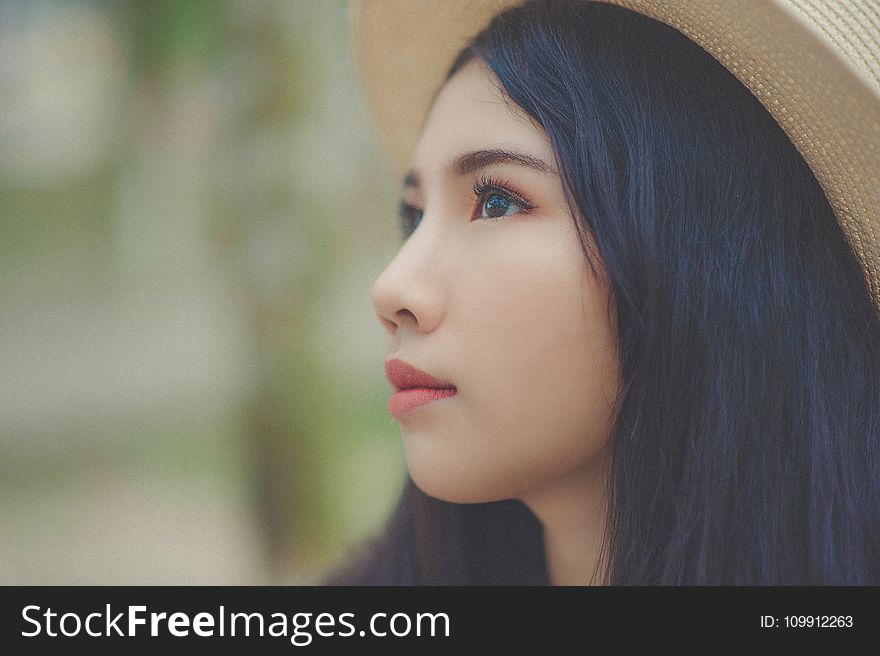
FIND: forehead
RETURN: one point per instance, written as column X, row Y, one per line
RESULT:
column 470, row 113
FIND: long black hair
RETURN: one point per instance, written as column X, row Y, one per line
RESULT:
column 746, row 442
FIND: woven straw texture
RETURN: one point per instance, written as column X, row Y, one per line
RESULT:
column 814, row 64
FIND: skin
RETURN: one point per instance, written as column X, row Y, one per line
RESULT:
column 510, row 313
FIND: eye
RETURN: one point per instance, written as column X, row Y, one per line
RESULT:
column 497, row 205
column 497, row 198
column 409, row 216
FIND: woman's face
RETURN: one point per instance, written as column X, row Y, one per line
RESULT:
column 504, row 308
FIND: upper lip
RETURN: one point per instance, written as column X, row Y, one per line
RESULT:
column 403, row 375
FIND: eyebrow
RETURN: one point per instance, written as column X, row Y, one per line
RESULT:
column 480, row 159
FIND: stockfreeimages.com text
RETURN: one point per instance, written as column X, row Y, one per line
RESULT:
column 137, row 621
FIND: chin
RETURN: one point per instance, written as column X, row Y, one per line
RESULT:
column 454, row 489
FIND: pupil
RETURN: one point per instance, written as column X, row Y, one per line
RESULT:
column 496, row 202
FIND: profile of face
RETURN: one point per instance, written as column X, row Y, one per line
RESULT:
column 493, row 294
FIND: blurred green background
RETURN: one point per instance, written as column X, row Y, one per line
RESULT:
column 193, row 208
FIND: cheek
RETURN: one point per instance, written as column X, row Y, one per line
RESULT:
column 538, row 361
column 545, row 348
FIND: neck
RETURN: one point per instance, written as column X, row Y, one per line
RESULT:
column 571, row 511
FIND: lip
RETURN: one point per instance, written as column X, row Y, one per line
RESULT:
column 413, row 388
column 404, row 376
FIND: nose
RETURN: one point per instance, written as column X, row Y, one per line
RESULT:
column 408, row 293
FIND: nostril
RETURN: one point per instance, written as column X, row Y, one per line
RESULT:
column 406, row 313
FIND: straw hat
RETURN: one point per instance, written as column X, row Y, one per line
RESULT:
column 815, row 66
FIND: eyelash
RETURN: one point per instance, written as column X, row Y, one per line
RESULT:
column 485, row 185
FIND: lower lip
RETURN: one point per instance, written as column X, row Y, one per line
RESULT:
column 405, row 400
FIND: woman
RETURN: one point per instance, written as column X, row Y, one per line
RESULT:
column 656, row 346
